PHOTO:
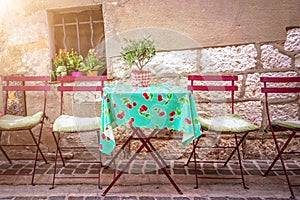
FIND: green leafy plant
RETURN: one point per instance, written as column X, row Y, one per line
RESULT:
column 93, row 62
column 66, row 62
column 74, row 61
column 138, row 52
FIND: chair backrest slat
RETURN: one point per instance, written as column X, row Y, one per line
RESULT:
column 26, row 88
column 213, row 88
column 280, row 90
column 78, row 85
column 279, row 79
column 195, row 80
column 26, row 78
column 79, row 88
column 25, row 84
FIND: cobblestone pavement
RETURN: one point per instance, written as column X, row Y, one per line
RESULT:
column 145, row 181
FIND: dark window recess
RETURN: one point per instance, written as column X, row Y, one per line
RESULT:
column 80, row 29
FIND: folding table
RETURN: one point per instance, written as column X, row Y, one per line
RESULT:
column 156, row 107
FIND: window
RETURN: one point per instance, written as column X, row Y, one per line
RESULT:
column 79, row 28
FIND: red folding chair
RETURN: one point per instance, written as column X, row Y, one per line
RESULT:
column 32, row 115
column 224, row 124
column 274, row 85
column 70, row 124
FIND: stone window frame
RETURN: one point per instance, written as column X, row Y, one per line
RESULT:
column 64, row 38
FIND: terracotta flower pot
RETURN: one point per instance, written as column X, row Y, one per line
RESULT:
column 141, row 78
column 92, row 73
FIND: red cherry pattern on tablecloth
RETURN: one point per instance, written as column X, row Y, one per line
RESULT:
column 129, row 106
column 159, row 98
column 103, row 136
column 188, row 121
column 161, row 114
column 134, row 103
column 130, row 122
column 171, row 114
column 146, row 96
column 143, row 108
column 100, row 147
column 171, row 119
column 121, row 115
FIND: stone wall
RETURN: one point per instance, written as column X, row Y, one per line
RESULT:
column 244, row 38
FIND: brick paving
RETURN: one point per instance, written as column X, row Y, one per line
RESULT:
column 253, row 168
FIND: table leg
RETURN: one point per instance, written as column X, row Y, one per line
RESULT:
column 120, row 150
column 142, row 135
column 158, row 159
column 128, row 163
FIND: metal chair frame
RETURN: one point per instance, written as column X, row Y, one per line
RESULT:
column 73, row 89
column 41, row 85
column 266, row 89
column 224, row 88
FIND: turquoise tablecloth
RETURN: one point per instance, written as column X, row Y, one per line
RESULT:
column 158, row 106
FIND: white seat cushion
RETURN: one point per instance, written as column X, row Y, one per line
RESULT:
column 67, row 123
column 14, row 123
column 227, row 123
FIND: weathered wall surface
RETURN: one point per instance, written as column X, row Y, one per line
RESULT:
column 245, row 38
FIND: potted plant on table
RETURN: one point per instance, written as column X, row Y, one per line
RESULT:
column 93, row 63
column 138, row 53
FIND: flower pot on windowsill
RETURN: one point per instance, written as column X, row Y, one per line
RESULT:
column 92, row 73
column 141, row 78
column 76, row 73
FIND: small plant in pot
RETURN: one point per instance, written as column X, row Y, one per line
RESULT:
column 138, row 53
column 93, row 63
column 59, row 64
column 75, row 63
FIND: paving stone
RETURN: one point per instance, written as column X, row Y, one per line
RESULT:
column 129, row 198
column 200, row 198
column 210, row 172
column 66, row 171
column 112, row 198
column 75, row 198
column 218, row 198
column 23, row 198
column 57, row 198
column 163, row 198
column 6, row 198
column 180, row 198
column 179, row 171
column 10, row 171
column 80, row 171
column 38, row 198
column 25, row 171
column 93, row 198
column 146, row 198
column 253, row 198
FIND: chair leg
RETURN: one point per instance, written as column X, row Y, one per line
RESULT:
column 283, row 165
column 236, row 148
column 195, row 162
column 4, row 153
column 281, row 151
column 240, row 163
column 99, row 175
column 37, row 143
column 57, row 141
column 193, row 151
